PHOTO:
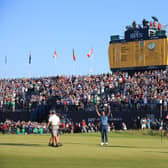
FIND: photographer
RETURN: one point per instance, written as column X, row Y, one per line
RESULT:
column 104, row 123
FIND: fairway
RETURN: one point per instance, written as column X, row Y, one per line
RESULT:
column 125, row 150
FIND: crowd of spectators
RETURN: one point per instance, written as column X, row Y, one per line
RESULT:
column 66, row 126
column 139, row 90
column 22, row 127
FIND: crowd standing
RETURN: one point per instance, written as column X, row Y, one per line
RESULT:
column 68, row 126
column 139, row 91
column 22, row 127
column 142, row 89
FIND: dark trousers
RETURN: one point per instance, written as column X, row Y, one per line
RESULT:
column 104, row 133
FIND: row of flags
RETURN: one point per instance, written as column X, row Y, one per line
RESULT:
column 73, row 54
column 6, row 59
column 55, row 55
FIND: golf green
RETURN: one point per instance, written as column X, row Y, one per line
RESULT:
column 125, row 150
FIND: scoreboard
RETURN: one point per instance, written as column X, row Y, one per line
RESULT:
column 138, row 53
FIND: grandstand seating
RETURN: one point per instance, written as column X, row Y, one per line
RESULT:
column 142, row 91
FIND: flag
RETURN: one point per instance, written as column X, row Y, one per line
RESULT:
column 30, row 58
column 90, row 53
column 55, row 54
column 6, row 60
column 74, row 58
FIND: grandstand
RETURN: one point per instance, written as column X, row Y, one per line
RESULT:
column 142, row 94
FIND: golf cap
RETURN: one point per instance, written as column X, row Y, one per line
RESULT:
column 53, row 112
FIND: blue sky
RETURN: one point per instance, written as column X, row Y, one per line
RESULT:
column 43, row 26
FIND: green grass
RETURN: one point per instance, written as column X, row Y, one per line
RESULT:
column 125, row 150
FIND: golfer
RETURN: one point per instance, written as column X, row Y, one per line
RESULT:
column 104, row 124
column 54, row 121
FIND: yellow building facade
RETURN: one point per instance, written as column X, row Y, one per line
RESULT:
column 140, row 54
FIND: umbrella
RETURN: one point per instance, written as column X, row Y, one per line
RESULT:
column 155, row 18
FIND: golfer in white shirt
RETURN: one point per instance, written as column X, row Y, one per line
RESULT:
column 55, row 122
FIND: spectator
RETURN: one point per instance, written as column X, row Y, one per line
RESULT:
column 143, row 123
column 148, row 123
column 124, row 127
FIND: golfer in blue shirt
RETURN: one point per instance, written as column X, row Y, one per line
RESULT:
column 104, row 124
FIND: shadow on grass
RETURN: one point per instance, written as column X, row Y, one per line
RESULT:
column 19, row 144
column 106, row 146
column 157, row 152
column 74, row 143
column 120, row 146
column 162, row 152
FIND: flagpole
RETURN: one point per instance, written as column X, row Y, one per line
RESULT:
column 5, row 71
column 90, row 56
column 55, row 56
column 74, row 65
column 74, row 68
column 30, row 61
column 92, row 63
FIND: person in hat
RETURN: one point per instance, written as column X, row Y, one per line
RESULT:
column 104, row 123
column 54, row 121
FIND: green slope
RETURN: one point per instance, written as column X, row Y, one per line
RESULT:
column 125, row 150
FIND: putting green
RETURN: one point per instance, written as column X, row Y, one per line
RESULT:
column 125, row 150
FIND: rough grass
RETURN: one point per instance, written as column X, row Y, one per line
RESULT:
column 125, row 150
